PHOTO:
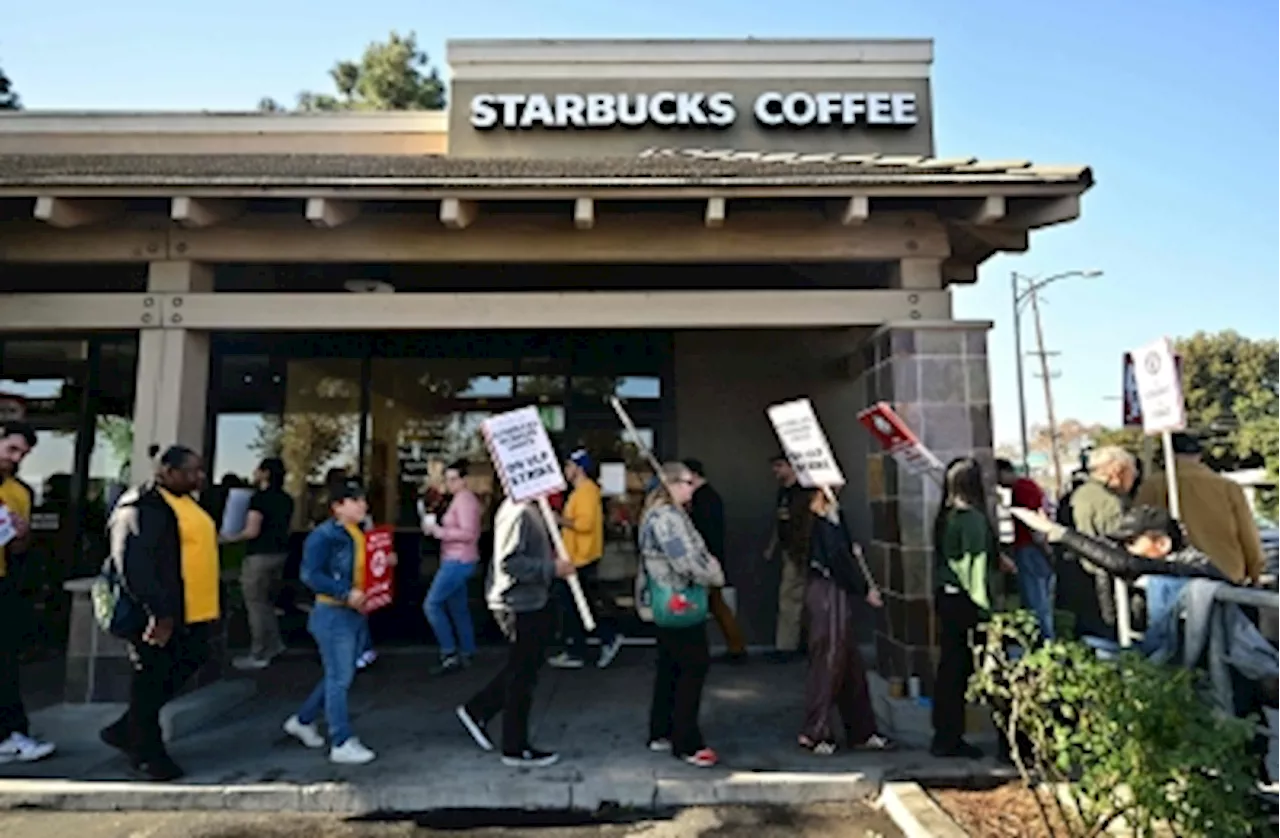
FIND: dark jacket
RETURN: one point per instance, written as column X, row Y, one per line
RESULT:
column 147, row 548
column 1120, row 562
column 524, row 561
column 831, row 555
column 707, row 512
column 328, row 561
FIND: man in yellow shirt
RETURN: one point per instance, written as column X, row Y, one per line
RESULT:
column 1215, row 512
column 166, row 547
column 16, row 441
column 582, row 523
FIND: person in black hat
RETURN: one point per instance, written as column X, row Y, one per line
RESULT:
column 333, row 565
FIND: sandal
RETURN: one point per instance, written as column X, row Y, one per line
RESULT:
column 824, row 748
column 876, row 742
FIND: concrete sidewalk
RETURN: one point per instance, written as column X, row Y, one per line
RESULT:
column 596, row 720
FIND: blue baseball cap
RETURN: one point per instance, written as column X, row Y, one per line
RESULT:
column 582, row 460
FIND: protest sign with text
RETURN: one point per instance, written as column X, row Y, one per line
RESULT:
column 898, row 440
column 805, row 445
column 529, row 470
column 379, row 574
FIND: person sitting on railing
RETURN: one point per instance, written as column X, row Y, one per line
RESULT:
column 1146, row 542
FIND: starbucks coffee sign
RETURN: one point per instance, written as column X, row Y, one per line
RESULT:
column 685, row 109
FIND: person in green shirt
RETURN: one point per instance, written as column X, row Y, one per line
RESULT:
column 966, row 560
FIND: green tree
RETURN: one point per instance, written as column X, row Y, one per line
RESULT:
column 391, row 75
column 9, row 100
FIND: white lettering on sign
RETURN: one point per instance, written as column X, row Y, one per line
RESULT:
column 1159, row 387
column 666, row 108
column 805, row 445
column 523, row 455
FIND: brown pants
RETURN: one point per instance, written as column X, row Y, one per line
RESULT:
column 836, row 679
column 727, row 622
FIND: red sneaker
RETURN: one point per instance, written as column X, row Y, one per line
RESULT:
column 706, row 758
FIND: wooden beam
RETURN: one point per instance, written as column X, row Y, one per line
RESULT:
column 457, row 214
column 856, row 211
column 328, row 213
column 959, row 271
column 657, row 238
column 715, row 212
column 1046, row 213
column 74, row 212
column 584, row 213
column 996, row 237
column 64, row 312
column 551, row 310
column 989, row 211
column 194, row 213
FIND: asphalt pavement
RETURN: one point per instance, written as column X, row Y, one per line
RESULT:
column 813, row 821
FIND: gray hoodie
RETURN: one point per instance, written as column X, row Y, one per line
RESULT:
column 524, row 560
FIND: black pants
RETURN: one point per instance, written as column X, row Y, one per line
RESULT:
column 13, row 718
column 683, row 661
column 511, row 690
column 957, row 617
column 159, row 673
column 575, row 634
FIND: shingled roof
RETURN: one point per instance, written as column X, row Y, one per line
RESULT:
column 654, row 167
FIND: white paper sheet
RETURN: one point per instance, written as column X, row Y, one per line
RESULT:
column 235, row 512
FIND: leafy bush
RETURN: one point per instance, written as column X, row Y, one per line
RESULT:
column 1103, row 741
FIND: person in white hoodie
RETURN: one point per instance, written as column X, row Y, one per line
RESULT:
column 517, row 591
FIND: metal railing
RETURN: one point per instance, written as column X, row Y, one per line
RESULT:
column 1219, row 666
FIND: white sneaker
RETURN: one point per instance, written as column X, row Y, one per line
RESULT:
column 21, row 748
column 565, row 661
column 609, row 651
column 366, row 660
column 249, row 663
column 351, row 752
column 306, row 734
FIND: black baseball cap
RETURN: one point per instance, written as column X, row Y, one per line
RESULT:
column 1144, row 519
column 347, row 490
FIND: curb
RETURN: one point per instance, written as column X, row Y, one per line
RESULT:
column 916, row 814
column 525, row 791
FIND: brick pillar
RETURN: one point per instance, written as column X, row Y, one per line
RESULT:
column 936, row 377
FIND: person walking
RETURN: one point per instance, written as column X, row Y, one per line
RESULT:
column 1214, row 511
column 16, row 745
column 518, row 590
column 790, row 540
column 676, row 569
column 582, row 529
column 333, row 565
column 707, row 513
column 836, row 679
column 166, row 547
column 266, row 539
column 967, row 556
column 1031, row 555
column 446, row 604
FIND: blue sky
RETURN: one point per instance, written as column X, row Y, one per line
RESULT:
column 1173, row 103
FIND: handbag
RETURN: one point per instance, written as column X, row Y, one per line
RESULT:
column 678, row 607
column 114, row 608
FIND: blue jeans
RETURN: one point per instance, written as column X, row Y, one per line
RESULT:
column 1164, row 593
column 1035, row 585
column 337, row 631
column 446, row 608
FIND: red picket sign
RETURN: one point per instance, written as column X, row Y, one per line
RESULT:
column 379, row 575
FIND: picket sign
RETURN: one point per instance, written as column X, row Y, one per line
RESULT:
column 1157, row 380
column 530, row 471
column 379, row 578
column 811, row 457
column 896, row 438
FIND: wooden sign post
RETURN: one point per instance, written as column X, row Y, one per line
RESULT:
column 811, row 457
column 530, row 472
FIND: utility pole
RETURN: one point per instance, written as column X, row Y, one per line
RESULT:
column 1048, row 390
column 1017, row 358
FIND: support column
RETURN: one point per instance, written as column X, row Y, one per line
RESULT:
column 173, row 368
column 936, row 377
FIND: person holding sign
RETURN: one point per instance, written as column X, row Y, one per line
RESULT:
column 675, row 573
column 518, row 592
column 333, row 565
column 16, row 441
column 836, row 680
column 967, row 557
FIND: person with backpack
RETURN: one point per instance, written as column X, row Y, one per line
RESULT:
column 676, row 571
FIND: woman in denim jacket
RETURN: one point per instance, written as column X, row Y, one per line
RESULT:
column 333, row 562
